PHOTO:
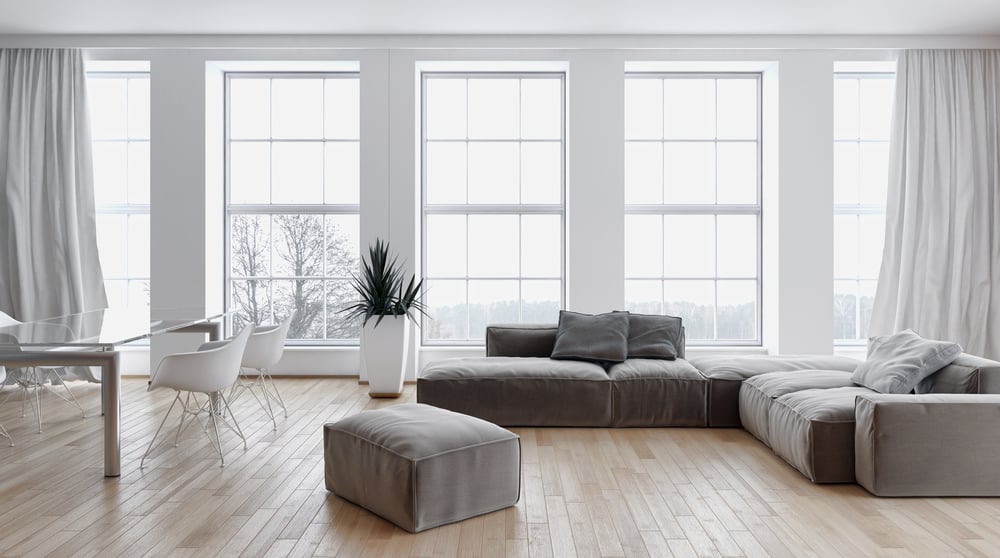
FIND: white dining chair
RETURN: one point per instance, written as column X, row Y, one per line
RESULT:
column 264, row 349
column 30, row 382
column 3, row 431
column 210, row 373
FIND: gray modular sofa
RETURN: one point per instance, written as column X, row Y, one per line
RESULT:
column 805, row 408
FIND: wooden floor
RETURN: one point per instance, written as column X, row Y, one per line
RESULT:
column 586, row 492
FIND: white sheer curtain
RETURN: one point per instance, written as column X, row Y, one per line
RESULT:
column 941, row 263
column 48, row 233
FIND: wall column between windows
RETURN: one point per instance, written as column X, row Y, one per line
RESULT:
column 183, row 225
column 800, row 210
column 595, row 193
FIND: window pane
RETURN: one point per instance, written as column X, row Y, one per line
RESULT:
column 493, row 245
column 689, row 108
column 540, row 301
column 117, row 292
column 491, row 302
column 446, row 304
column 737, row 172
column 644, row 246
column 644, row 297
column 872, row 235
column 541, row 172
column 737, row 246
column 138, row 293
column 493, row 173
column 845, row 114
column 737, row 310
column 110, row 172
column 445, row 109
column 252, row 302
column 249, row 172
column 493, row 108
column 112, row 232
column 541, row 108
column 690, row 245
column 541, row 239
column 844, row 309
column 876, row 108
column 249, row 108
column 446, row 172
column 845, row 246
column 106, row 98
column 643, row 109
column 298, row 245
column 694, row 302
column 643, row 173
column 737, row 110
column 342, row 174
column 866, row 299
column 340, row 295
column 297, row 172
column 342, row 245
column 302, row 299
column 446, row 246
column 845, row 173
column 138, row 245
column 689, row 172
column 296, row 108
column 874, row 171
column 138, row 108
column 342, row 108
column 250, row 245
column 138, row 172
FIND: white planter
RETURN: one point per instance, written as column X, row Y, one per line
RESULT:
column 383, row 355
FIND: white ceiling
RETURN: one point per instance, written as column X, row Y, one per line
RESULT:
column 688, row 17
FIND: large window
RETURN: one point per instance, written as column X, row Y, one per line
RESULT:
column 493, row 181
column 293, row 177
column 692, row 202
column 119, row 121
column 862, row 116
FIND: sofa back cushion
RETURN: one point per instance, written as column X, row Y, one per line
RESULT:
column 600, row 338
column 520, row 340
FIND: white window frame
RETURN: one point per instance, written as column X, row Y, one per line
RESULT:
column 322, row 210
column 488, row 209
column 713, row 209
column 126, row 209
column 857, row 210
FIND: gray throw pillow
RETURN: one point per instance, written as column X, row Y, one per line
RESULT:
column 898, row 363
column 600, row 338
column 651, row 336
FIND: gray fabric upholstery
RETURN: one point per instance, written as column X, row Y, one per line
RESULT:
column 897, row 363
column 521, row 340
column 653, row 336
column 966, row 374
column 657, row 393
column 758, row 393
column 813, row 430
column 600, row 338
column 520, row 391
column 928, row 445
column 726, row 373
column 420, row 467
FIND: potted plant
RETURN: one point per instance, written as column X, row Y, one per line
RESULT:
column 386, row 306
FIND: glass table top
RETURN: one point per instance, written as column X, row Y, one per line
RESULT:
column 102, row 328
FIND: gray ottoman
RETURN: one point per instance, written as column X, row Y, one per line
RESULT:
column 420, row 467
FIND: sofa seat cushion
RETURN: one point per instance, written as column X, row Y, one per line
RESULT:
column 757, row 394
column 515, row 391
column 813, row 430
column 657, row 393
column 725, row 373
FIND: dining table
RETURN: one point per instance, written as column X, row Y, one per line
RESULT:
column 93, row 338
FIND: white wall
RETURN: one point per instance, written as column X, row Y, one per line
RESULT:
column 187, row 219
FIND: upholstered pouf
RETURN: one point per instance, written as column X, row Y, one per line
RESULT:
column 419, row 466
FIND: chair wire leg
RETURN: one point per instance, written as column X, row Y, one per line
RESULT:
column 71, row 399
column 215, row 425
column 185, row 410
column 274, row 387
column 3, row 432
column 177, row 398
column 235, row 425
